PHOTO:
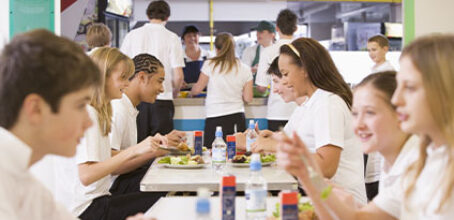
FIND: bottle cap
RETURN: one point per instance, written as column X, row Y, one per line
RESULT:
column 256, row 163
column 231, row 138
column 288, row 197
column 198, row 133
column 251, row 124
column 228, row 181
column 203, row 206
column 218, row 131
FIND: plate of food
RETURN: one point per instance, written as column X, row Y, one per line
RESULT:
column 182, row 162
column 245, row 160
column 180, row 149
column 306, row 210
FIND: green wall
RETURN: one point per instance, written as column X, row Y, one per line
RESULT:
column 25, row 15
column 409, row 20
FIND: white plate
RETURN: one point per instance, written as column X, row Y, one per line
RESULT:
column 247, row 164
column 184, row 166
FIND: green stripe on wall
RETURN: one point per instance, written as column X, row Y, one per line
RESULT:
column 409, row 21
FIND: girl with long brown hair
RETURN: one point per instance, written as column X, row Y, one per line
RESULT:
column 229, row 86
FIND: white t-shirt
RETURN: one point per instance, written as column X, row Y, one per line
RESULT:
column 94, row 147
column 203, row 53
column 373, row 167
column 124, row 125
column 165, row 45
column 427, row 194
column 407, row 155
column 294, row 121
column 386, row 66
column 225, row 90
column 21, row 195
column 326, row 119
column 277, row 108
column 249, row 54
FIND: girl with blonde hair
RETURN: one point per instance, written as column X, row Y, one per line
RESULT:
column 96, row 161
column 424, row 104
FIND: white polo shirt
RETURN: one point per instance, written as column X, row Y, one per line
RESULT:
column 326, row 119
column 249, row 54
column 386, row 66
column 427, row 194
column 94, row 147
column 124, row 126
column 373, row 167
column 225, row 90
column 294, row 121
column 21, row 195
column 277, row 109
column 165, row 45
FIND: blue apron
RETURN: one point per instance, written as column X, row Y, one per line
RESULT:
column 192, row 70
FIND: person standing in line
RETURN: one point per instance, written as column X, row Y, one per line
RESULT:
column 153, row 38
column 278, row 112
column 265, row 37
column 194, row 55
column 229, row 86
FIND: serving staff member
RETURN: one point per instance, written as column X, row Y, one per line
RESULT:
column 194, row 55
column 278, row 112
column 229, row 86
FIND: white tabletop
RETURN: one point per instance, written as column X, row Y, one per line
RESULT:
column 165, row 208
column 159, row 178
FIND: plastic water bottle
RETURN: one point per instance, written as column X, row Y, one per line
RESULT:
column 203, row 204
column 219, row 151
column 256, row 191
column 251, row 135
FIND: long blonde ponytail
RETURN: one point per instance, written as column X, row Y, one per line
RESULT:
column 225, row 58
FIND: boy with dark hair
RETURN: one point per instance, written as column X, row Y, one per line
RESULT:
column 145, row 85
column 278, row 111
column 46, row 82
column 378, row 46
column 166, row 46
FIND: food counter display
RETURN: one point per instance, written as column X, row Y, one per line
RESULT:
column 190, row 113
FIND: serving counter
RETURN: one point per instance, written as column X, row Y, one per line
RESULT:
column 190, row 113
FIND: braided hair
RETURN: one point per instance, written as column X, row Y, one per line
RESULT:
column 146, row 63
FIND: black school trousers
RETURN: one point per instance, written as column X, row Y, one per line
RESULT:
column 274, row 125
column 154, row 118
column 227, row 122
column 119, row 207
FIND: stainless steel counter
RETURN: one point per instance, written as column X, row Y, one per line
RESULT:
column 201, row 102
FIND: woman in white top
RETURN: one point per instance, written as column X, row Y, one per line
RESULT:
column 229, row 86
column 96, row 161
column 326, row 126
column 424, row 99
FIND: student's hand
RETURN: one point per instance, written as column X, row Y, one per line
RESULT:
column 146, row 146
column 346, row 197
column 265, row 133
column 264, row 143
column 254, row 69
column 140, row 216
column 159, row 140
column 240, row 140
column 175, row 137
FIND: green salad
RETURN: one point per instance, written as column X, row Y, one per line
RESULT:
column 247, row 159
column 181, row 160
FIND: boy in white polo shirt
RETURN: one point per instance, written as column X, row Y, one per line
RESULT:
column 278, row 112
column 46, row 83
column 153, row 38
column 145, row 85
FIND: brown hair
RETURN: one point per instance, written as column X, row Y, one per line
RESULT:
column 317, row 63
column 158, row 10
column 98, row 35
column 385, row 82
column 274, row 68
column 286, row 22
column 107, row 59
column 432, row 56
column 225, row 58
column 381, row 40
column 39, row 62
column 146, row 63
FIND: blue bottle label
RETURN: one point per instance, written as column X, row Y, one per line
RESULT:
column 198, row 146
column 231, row 150
column 289, row 212
column 228, row 203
